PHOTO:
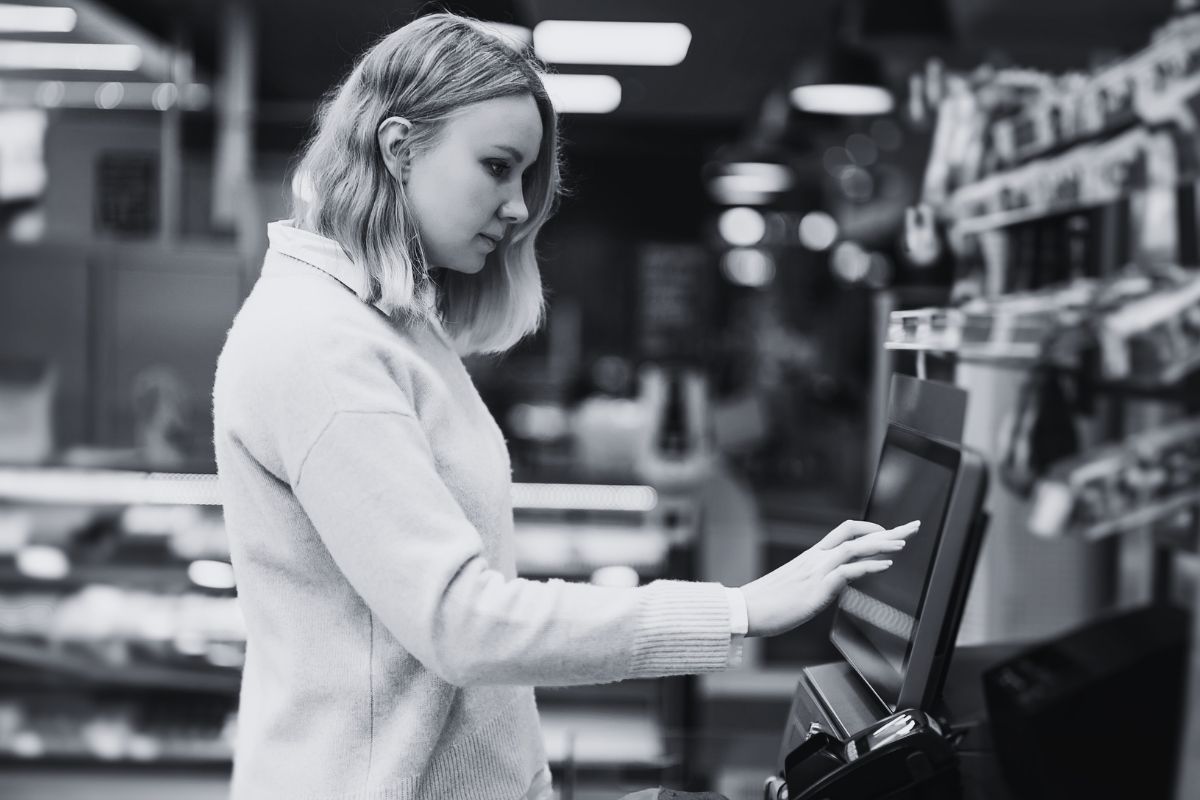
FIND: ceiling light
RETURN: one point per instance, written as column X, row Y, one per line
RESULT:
column 752, row 176
column 850, row 262
column 661, row 44
column 36, row 19
column 583, row 94
column 818, row 230
column 725, row 191
column 842, row 79
column 726, row 185
column 842, row 99
column 69, row 55
column 748, row 267
column 742, row 227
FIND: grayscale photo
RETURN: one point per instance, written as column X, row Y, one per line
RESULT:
column 599, row 400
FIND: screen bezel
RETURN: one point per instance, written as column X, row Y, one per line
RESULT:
column 890, row 686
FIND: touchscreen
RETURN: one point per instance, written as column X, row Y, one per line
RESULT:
column 913, row 481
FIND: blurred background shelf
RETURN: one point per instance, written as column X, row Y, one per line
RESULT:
column 61, row 663
column 50, row 484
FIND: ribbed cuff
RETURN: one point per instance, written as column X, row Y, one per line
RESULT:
column 683, row 628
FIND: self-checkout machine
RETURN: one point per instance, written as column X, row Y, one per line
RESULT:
column 898, row 716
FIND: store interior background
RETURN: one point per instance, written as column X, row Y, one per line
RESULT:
column 731, row 361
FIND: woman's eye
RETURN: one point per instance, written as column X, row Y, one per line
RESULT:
column 498, row 168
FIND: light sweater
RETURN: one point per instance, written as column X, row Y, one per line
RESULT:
column 391, row 647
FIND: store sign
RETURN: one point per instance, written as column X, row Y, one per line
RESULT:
column 673, row 293
column 127, row 193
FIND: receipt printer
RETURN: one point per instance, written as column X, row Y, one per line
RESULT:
column 902, row 757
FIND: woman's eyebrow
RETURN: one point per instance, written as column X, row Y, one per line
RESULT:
column 512, row 151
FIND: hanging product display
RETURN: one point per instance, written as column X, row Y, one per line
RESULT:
column 1134, row 483
column 1155, row 339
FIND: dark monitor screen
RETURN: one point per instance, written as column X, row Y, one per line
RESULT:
column 880, row 612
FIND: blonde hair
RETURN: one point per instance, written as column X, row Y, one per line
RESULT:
column 426, row 72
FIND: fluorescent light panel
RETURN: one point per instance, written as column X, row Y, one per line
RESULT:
column 583, row 94
column 845, row 99
column 36, row 19
column 18, row 55
column 726, row 190
column 658, row 44
column 761, row 176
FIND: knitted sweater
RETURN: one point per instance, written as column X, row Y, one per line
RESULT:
column 391, row 647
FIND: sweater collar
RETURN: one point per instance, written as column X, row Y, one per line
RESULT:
column 319, row 252
column 329, row 257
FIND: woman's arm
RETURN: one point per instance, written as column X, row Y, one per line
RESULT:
column 370, row 486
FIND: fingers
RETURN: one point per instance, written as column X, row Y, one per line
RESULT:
column 891, row 540
column 854, row 570
column 848, row 530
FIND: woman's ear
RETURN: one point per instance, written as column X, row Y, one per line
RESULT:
column 393, row 136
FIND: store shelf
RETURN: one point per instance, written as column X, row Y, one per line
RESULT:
column 583, row 738
column 578, row 549
column 984, row 335
column 107, row 487
column 165, row 576
column 1046, row 504
column 602, row 737
column 122, row 487
column 746, row 683
column 1142, row 326
column 137, row 676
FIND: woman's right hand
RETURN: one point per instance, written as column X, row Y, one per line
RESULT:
column 806, row 585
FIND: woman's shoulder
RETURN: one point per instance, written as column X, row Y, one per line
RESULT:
column 307, row 339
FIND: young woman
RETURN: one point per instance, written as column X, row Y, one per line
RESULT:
column 392, row 649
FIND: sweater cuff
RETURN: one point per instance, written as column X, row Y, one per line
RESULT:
column 739, row 623
column 683, row 628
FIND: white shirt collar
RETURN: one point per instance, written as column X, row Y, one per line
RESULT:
column 319, row 252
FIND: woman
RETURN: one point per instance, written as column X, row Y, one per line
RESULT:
column 391, row 648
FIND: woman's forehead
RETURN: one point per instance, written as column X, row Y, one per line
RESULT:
column 513, row 122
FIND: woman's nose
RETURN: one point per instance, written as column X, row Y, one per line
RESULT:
column 514, row 210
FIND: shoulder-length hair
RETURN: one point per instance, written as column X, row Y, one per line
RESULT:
column 426, row 72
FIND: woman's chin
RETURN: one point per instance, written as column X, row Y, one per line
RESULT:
column 467, row 266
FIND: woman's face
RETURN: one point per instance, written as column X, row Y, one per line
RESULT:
column 466, row 190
